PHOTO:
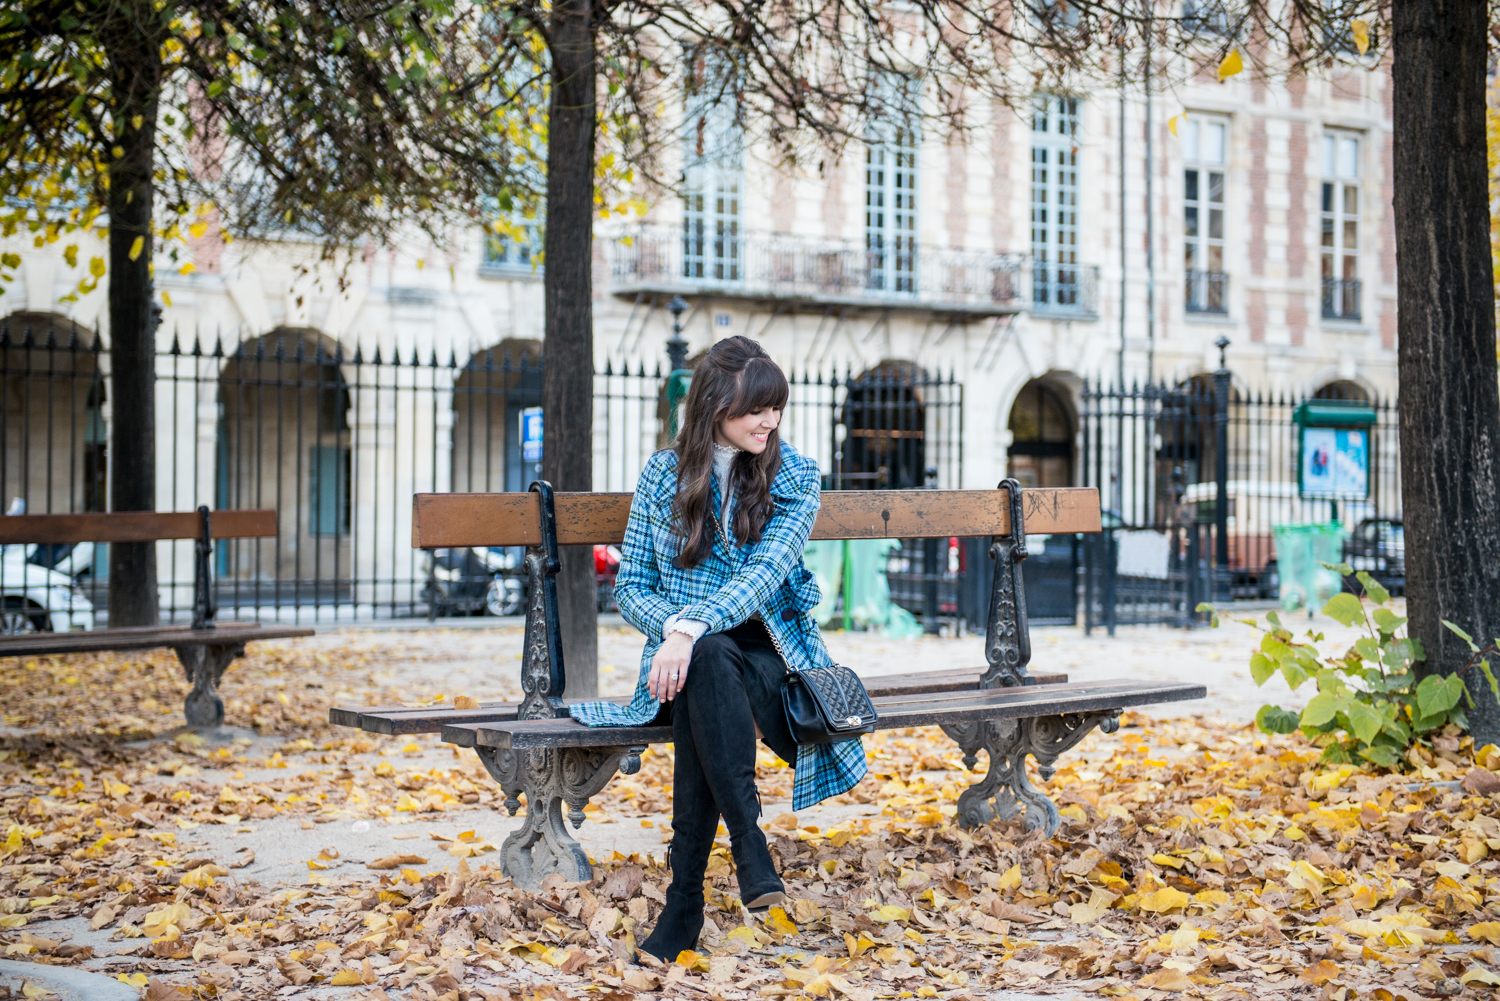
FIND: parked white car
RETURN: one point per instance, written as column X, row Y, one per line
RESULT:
column 36, row 599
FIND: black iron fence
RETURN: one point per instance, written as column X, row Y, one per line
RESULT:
column 337, row 437
column 1195, row 479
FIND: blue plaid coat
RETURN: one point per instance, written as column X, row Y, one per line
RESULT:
column 724, row 590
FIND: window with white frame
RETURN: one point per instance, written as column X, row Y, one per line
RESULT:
column 713, row 173
column 1054, row 202
column 1207, row 17
column 1204, row 154
column 1340, row 156
column 517, row 246
column 891, row 139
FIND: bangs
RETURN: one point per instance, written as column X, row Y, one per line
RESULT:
column 759, row 386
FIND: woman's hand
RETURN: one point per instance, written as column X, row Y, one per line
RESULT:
column 669, row 668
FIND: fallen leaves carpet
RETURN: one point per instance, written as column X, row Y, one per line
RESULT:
column 1195, row 859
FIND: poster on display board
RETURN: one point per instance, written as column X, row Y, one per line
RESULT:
column 531, row 434
column 1335, row 463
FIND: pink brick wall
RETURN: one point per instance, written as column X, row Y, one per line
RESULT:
column 1259, row 177
column 956, row 188
column 1296, row 212
column 1387, row 209
column 1296, row 89
column 783, row 202
column 1255, row 314
column 833, row 194
column 1296, row 317
column 1002, row 226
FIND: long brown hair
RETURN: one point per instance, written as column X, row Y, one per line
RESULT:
column 735, row 378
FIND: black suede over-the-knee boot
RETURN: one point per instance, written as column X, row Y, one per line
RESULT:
column 723, row 732
column 695, row 820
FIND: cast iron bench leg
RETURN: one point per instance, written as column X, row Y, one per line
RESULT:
column 552, row 777
column 505, row 768
column 204, row 664
column 1005, row 788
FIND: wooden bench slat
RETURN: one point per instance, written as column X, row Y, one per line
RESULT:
column 514, row 519
column 141, row 638
column 135, row 526
column 895, row 712
column 402, row 720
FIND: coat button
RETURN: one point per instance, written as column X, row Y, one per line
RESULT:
column 789, row 615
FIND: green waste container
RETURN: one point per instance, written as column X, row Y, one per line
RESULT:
column 1301, row 551
column 854, row 570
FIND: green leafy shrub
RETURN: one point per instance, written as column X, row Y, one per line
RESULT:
column 1370, row 705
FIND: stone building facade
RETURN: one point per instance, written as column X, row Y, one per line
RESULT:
column 989, row 273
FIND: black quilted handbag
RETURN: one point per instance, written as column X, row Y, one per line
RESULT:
column 825, row 705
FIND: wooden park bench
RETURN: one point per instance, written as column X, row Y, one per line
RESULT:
column 205, row 647
column 533, row 747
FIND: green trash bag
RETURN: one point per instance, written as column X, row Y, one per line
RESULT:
column 1301, row 551
column 868, row 592
column 857, row 570
column 825, row 560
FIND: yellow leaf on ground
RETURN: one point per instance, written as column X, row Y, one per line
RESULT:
column 1082, row 914
column 1230, row 65
column 744, row 932
column 1485, row 931
column 395, row 862
column 1163, row 900
column 1305, row 876
column 1479, row 975
column 778, row 922
column 1010, row 879
column 347, row 978
column 1184, row 939
column 1166, row 979
column 465, row 702
column 886, row 913
column 198, row 879
column 1319, row 974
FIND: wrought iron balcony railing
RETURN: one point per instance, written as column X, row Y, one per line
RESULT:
column 666, row 259
column 1341, row 299
column 1206, row 292
column 1065, row 291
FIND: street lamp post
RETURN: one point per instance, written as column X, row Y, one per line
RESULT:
column 1221, row 473
column 680, row 376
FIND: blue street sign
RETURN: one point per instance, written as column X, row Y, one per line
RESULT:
column 531, row 434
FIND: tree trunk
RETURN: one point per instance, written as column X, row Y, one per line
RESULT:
column 1450, row 406
column 568, row 372
column 135, row 69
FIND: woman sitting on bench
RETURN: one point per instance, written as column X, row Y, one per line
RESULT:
column 711, row 571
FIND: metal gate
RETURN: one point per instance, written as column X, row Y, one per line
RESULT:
column 1193, row 480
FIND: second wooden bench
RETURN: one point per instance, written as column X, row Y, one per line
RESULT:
column 205, row 647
